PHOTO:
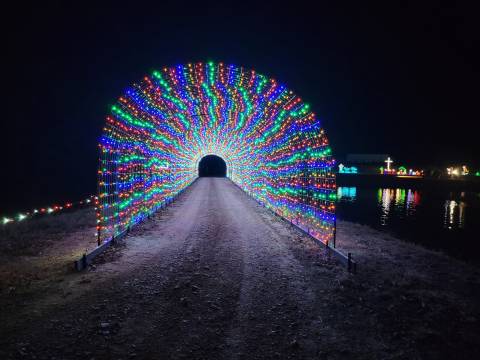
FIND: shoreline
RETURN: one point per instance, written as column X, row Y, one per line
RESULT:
column 470, row 184
column 351, row 234
column 391, row 234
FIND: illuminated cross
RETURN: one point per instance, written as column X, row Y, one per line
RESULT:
column 388, row 161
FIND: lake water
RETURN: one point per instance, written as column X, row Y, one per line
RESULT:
column 436, row 218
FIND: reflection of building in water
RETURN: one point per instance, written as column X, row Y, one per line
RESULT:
column 403, row 201
column 413, row 199
column 386, row 200
column 346, row 193
column 454, row 214
column 400, row 197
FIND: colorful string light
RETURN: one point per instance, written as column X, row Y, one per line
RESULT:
column 159, row 130
column 47, row 210
column 342, row 169
column 400, row 172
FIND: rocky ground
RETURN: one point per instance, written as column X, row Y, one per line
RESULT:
column 216, row 276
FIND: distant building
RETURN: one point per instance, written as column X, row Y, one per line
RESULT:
column 366, row 163
column 370, row 159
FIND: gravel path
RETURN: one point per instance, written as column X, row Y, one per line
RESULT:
column 216, row 276
column 213, row 276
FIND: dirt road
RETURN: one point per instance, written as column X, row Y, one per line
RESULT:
column 214, row 276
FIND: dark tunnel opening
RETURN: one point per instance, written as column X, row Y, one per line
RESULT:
column 212, row 166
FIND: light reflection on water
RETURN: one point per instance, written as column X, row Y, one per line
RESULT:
column 435, row 217
column 454, row 214
column 346, row 193
column 403, row 203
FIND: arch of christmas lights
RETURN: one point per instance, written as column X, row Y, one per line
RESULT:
column 160, row 129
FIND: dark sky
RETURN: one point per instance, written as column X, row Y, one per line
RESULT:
column 398, row 79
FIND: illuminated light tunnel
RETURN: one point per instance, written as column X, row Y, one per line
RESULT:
column 161, row 127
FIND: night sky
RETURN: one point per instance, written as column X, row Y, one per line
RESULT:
column 401, row 80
